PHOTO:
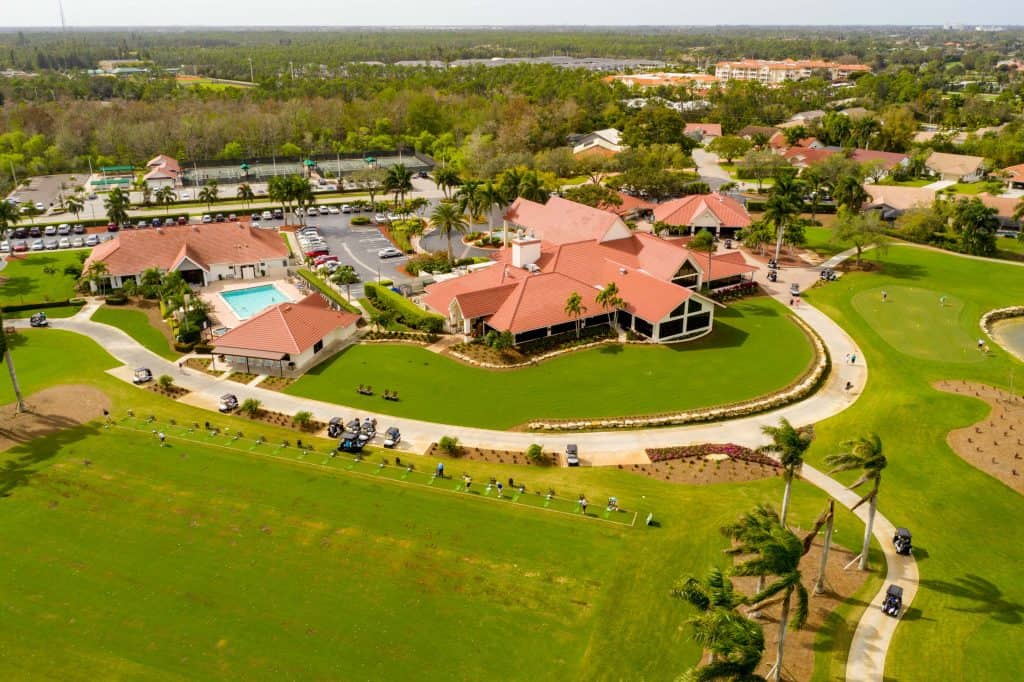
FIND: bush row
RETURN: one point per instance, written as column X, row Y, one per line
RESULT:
column 405, row 311
column 317, row 283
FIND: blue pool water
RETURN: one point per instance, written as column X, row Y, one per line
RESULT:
column 249, row 302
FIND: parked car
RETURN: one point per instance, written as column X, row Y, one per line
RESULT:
column 183, row 220
column 901, row 540
column 40, row 206
column 333, row 210
column 34, row 232
column 50, row 230
column 392, row 437
column 51, row 244
column 77, row 242
column 38, row 320
column 19, row 247
column 267, row 215
column 37, row 245
column 893, row 603
column 113, row 227
column 64, row 243
column 389, row 252
column 227, row 402
column 380, row 219
column 422, row 175
column 78, row 229
column 20, row 232
column 316, row 251
column 5, row 247
column 170, row 222
column 345, row 208
column 232, row 217
column 207, row 219
column 320, row 260
column 572, row 456
column 185, row 196
column 92, row 240
column 156, row 222
column 141, row 376
column 219, row 218
column 312, row 210
column 63, row 229
column 278, row 214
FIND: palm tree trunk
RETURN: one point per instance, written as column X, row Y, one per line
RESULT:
column 18, row 398
column 785, row 498
column 819, row 584
column 780, row 647
column 872, row 505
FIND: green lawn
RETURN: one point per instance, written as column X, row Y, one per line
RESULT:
column 967, row 616
column 753, row 350
column 46, row 357
column 23, row 280
column 916, row 182
column 195, row 561
column 1009, row 247
column 819, row 240
column 136, row 325
column 967, row 187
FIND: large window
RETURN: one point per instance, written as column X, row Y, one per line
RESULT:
column 670, row 328
column 318, row 346
column 701, row 321
column 643, row 327
column 686, row 276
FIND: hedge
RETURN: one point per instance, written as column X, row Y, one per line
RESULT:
column 116, row 299
column 406, row 312
column 40, row 306
column 322, row 286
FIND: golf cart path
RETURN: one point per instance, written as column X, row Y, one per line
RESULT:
column 874, row 632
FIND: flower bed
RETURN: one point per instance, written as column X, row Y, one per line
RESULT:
column 202, row 365
column 703, row 450
column 241, row 377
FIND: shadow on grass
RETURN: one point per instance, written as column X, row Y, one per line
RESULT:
column 17, row 287
column 987, row 596
column 22, row 462
column 904, row 270
column 723, row 335
column 611, row 349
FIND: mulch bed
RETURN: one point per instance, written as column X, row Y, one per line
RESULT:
column 202, row 365
column 241, row 377
column 286, row 420
column 276, row 383
column 704, row 472
column 487, row 455
column 173, row 392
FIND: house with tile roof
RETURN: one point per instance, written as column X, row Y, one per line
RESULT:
column 1014, row 176
column 286, row 339
column 703, row 132
column 162, row 171
column 562, row 248
column 201, row 253
column 955, row 167
column 715, row 212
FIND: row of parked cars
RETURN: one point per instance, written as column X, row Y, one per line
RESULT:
column 48, row 244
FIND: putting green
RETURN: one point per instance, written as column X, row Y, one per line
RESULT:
column 913, row 321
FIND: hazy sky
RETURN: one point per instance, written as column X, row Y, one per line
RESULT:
column 519, row 12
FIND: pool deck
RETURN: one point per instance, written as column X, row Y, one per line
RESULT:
column 222, row 313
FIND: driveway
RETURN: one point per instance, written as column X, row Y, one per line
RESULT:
column 707, row 167
column 433, row 241
column 939, row 185
column 357, row 245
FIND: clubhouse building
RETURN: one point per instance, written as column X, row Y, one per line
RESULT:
column 201, row 253
column 563, row 248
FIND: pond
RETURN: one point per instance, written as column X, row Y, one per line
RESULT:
column 1010, row 335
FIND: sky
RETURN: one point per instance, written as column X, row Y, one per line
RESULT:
column 15, row 13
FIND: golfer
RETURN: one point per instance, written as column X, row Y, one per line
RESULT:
column 162, row 438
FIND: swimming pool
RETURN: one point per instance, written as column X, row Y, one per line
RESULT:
column 248, row 302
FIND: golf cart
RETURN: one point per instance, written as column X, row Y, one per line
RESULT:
column 572, row 457
column 368, row 430
column 350, row 442
column 227, row 402
column 141, row 376
column 392, row 437
column 39, row 320
column 893, row 603
column 335, row 427
column 901, row 541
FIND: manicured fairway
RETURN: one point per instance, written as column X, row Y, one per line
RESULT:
column 753, row 350
column 136, row 325
column 46, row 357
column 23, row 281
column 968, row 618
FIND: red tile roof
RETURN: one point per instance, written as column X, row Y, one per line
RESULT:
column 539, row 301
column 1015, row 173
column 889, row 159
column 133, row 251
column 713, row 129
column 290, row 328
column 683, row 211
column 630, row 204
column 561, row 221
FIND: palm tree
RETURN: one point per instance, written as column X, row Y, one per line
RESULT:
column 166, row 196
column 790, row 445
column 245, row 193
column 147, row 194
column 9, row 215
column 814, row 180
column 449, row 220
column 208, row 194
column 73, row 204
column 574, row 308
column 5, row 355
column 609, row 299
column 532, row 187
column 734, row 643
column 491, row 197
column 468, row 198
column 785, row 201
column 747, row 532
column 446, row 178
column 866, row 454
column 96, row 274
column 399, row 181
column 849, row 193
column 116, row 204
column 778, row 554
column 345, row 275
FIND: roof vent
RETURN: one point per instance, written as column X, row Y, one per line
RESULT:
column 532, row 267
column 622, row 271
column 159, row 230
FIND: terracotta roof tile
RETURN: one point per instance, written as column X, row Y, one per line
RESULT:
column 684, row 210
column 287, row 327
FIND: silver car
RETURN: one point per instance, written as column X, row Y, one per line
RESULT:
column 64, row 243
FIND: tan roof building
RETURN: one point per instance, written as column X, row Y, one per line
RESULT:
column 956, row 167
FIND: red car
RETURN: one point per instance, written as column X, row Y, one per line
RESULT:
column 320, row 260
column 113, row 227
column 316, row 252
column 20, row 247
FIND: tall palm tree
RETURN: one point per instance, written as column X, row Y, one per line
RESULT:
column 863, row 453
column 468, row 198
column 532, row 187
column 208, row 194
column 747, row 532
column 815, row 181
column 116, row 204
column 399, row 181
column 449, row 220
column 74, row 204
column 9, row 215
column 96, row 275
column 778, row 554
column 785, row 201
column 166, row 196
column 609, row 299
column 790, row 445
column 491, row 198
column 849, row 193
column 245, row 193
column 147, row 194
column 574, row 308
column 446, row 177
column 5, row 355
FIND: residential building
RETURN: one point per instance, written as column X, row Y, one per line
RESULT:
column 883, row 163
column 893, row 201
column 703, row 132
column 1014, row 176
column 750, row 132
column 607, row 142
column 162, row 171
column 698, row 81
column 201, row 253
column 563, row 248
column 715, row 212
column 771, row 72
column 955, row 167
column 287, row 338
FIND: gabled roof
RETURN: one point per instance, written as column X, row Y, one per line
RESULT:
column 706, row 129
column 133, row 251
column 889, row 159
column 285, row 328
column 953, row 164
column 1015, row 173
column 561, row 221
column 539, row 301
column 900, row 198
column 167, row 163
column 683, row 211
column 629, row 205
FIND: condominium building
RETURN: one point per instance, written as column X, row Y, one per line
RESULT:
column 771, row 72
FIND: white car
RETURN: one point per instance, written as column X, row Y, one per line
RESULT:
column 64, row 243
column 37, row 245
column 389, row 252
column 5, row 247
column 345, row 208
column 40, row 206
column 380, row 218
column 207, row 219
column 77, row 242
column 312, row 210
column 186, row 196
column 267, row 215
column 333, row 210
column 92, row 240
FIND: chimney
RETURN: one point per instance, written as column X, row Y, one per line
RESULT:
column 525, row 251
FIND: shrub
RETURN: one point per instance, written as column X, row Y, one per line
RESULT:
column 203, row 348
column 360, row 220
column 116, row 299
column 251, row 406
column 302, row 418
column 535, row 453
column 450, row 444
column 165, row 381
column 183, row 346
column 404, row 310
